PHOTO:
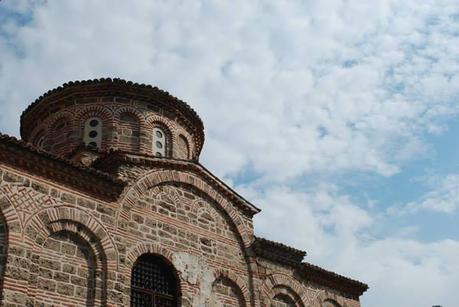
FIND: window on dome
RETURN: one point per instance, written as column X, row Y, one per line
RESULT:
column 93, row 132
column 153, row 283
column 159, row 142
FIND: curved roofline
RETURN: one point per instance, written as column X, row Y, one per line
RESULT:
column 143, row 89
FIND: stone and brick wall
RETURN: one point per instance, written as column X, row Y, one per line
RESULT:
column 67, row 249
column 71, row 234
column 127, row 125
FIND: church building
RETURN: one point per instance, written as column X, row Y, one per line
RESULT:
column 103, row 202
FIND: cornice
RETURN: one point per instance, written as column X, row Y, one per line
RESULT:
column 277, row 252
column 314, row 273
column 286, row 255
column 113, row 159
column 24, row 156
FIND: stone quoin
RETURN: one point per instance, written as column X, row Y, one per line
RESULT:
column 103, row 202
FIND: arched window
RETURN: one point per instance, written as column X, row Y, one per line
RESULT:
column 93, row 132
column 159, row 142
column 330, row 303
column 153, row 283
column 283, row 300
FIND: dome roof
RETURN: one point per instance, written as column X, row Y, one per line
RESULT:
column 50, row 102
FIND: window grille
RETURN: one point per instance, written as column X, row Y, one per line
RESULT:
column 153, row 283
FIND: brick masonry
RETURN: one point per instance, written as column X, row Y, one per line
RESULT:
column 60, row 246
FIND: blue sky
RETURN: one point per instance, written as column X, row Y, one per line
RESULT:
column 339, row 119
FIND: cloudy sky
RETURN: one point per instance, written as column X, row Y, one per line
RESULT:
column 338, row 118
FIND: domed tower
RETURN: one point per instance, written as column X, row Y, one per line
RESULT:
column 82, row 120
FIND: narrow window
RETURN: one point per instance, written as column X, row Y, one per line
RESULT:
column 159, row 142
column 153, row 283
column 93, row 132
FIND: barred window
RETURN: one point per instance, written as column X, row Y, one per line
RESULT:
column 153, row 283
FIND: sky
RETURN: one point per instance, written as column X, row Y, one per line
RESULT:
column 338, row 118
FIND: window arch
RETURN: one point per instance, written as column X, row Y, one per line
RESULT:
column 283, row 300
column 330, row 303
column 93, row 132
column 160, row 142
column 153, row 283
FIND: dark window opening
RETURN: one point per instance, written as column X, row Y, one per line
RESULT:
column 153, row 283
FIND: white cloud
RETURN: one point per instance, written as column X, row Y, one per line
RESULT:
column 285, row 89
column 443, row 197
column 341, row 236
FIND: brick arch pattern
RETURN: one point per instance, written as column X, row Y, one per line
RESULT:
column 171, row 194
column 47, row 221
column 131, row 110
column 169, row 129
column 175, row 131
column 183, row 147
column 102, row 112
column 130, row 141
column 96, row 279
column 56, row 141
column 283, row 284
column 149, row 248
column 237, row 280
column 332, row 297
column 12, row 237
column 201, row 213
column 285, row 290
column 11, row 216
column 155, row 178
column 49, row 122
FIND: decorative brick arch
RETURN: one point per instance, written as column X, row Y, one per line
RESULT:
column 325, row 296
column 274, row 284
column 237, row 280
column 171, row 194
column 155, row 121
column 50, row 220
column 127, row 109
column 10, row 215
column 155, row 178
column 146, row 248
column 149, row 248
column 49, row 122
column 105, row 114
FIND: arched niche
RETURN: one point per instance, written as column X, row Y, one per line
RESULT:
column 225, row 292
column 72, row 265
column 128, row 131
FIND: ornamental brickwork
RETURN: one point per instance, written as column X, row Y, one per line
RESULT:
column 85, row 204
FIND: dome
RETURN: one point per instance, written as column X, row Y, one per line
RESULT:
column 113, row 114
